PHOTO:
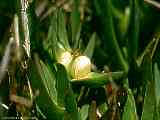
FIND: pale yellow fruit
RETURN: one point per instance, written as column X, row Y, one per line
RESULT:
column 80, row 67
column 65, row 58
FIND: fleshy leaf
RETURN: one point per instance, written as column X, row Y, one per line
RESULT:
column 62, row 33
column 62, row 83
column 130, row 108
column 50, row 44
column 133, row 30
column 149, row 102
column 84, row 112
column 149, row 98
column 91, row 45
column 157, row 81
column 98, row 79
column 103, row 9
column 43, row 80
column 75, row 24
column 66, row 96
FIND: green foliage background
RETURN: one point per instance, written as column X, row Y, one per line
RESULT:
column 121, row 37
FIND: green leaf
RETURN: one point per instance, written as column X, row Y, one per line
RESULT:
column 149, row 102
column 40, row 113
column 98, row 79
column 50, row 44
column 130, row 108
column 158, row 110
column 103, row 108
column 48, row 80
column 157, row 82
column 62, row 33
column 77, row 41
column 71, row 106
column 43, row 80
column 148, row 111
column 123, row 20
column 57, row 39
column 62, row 84
column 157, row 89
column 103, row 9
column 133, row 30
column 149, row 98
column 84, row 112
column 75, row 24
column 91, row 45
column 65, row 94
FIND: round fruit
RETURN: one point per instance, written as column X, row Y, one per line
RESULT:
column 65, row 58
column 80, row 67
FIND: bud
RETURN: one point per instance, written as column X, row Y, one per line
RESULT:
column 65, row 58
column 80, row 67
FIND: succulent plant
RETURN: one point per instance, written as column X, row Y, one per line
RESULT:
column 80, row 59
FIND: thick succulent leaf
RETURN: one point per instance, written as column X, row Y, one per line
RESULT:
column 149, row 102
column 71, row 105
column 103, row 108
column 91, row 45
column 157, row 89
column 133, row 30
column 44, row 81
column 66, row 96
column 129, row 112
column 149, row 98
column 48, row 80
column 57, row 39
column 123, row 20
column 98, row 79
column 62, row 33
column 62, row 84
column 50, row 44
column 75, row 24
column 103, row 9
column 40, row 113
column 157, row 82
column 84, row 112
